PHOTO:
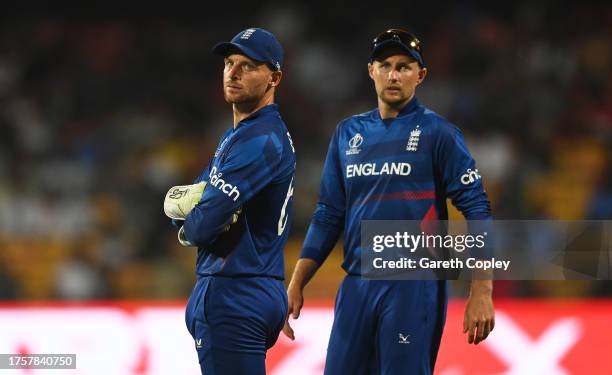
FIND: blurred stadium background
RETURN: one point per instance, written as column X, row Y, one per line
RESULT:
column 100, row 115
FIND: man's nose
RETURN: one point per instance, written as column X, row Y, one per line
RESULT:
column 234, row 72
column 393, row 75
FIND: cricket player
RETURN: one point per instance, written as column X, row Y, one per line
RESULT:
column 391, row 326
column 237, row 213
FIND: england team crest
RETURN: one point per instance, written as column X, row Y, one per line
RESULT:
column 413, row 141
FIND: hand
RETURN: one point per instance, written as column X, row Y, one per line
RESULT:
column 479, row 317
column 295, row 300
column 180, row 200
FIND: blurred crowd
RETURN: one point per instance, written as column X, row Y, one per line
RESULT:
column 99, row 116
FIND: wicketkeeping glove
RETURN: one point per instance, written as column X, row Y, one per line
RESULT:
column 180, row 200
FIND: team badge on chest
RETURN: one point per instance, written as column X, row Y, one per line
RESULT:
column 354, row 144
column 413, row 141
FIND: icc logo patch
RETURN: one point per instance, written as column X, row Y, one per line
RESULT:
column 354, row 144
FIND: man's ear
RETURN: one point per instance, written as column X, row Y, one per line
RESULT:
column 275, row 78
column 371, row 69
column 422, row 74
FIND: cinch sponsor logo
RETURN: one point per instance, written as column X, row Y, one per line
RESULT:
column 371, row 169
column 227, row 189
column 470, row 176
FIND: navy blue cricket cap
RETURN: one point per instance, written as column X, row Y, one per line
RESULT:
column 258, row 44
column 398, row 38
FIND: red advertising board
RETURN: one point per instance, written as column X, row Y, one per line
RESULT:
column 551, row 337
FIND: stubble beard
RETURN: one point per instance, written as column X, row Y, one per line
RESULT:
column 393, row 102
column 237, row 99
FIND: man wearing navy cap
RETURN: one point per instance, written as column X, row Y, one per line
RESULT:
column 391, row 326
column 237, row 213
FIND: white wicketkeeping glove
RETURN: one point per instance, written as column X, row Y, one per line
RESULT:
column 180, row 200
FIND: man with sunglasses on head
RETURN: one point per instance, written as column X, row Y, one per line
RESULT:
column 391, row 326
column 237, row 214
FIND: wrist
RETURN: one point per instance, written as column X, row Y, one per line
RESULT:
column 481, row 287
column 295, row 286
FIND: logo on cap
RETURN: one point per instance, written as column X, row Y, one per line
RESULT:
column 247, row 33
column 263, row 47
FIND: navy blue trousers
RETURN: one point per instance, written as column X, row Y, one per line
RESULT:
column 234, row 321
column 386, row 327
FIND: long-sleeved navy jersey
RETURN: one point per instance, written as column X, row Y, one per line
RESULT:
column 252, row 169
column 400, row 168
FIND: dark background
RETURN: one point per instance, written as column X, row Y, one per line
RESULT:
column 100, row 113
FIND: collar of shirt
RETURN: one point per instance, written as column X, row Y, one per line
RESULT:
column 408, row 109
column 261, row 111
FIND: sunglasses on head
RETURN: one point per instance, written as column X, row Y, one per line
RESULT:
column 403, row 36
column 399, row 35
